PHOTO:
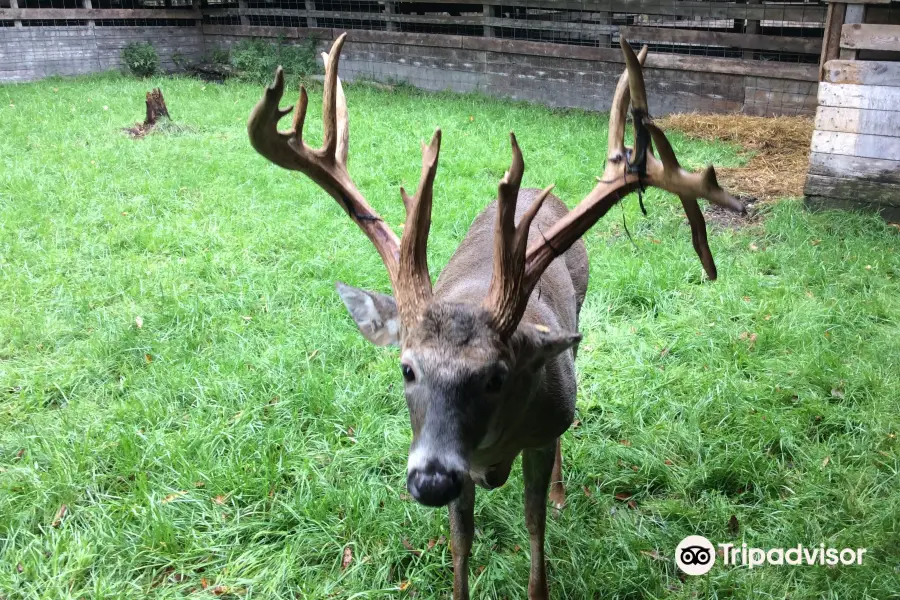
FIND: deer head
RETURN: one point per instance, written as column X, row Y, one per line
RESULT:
column 463, row 361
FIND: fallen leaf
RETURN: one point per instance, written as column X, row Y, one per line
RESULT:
column 655, row 241
column 625, row 442
column 220, row 590
column 404, row 585
column 632, row 504
column 313, row 354
column 825, row 461
column 665, row 351
column 442, row 540
column 246, row 318
column 668, row 462
column 652, row 554
column 139, row 322
column 635, row 468
column 20, row 453
column 587, row 491
column 60, row 515
column 204, row 583
column 837, row 393
column 733, row 525
column 220, row 499
column 767, row 317
column 405, row 496
column 431, row 544
column 815, row 242
column 884, row 454
column 622, row 496
column 409, row 547
column 171, row 497
column 148, row 358
column 480, row 569
column 516, row 549
column 576, row 424
column 347, row 558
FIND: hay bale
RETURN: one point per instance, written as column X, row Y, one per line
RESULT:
column 778, row 149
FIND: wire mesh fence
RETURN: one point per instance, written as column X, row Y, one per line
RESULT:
column 754, row 56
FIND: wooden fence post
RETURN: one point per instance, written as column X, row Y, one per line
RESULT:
column 311, row 21
column 15, row 4
column 831, row 42
column 856, row 13
column 490, row 11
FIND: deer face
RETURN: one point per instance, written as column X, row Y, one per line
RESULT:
column 459, row 377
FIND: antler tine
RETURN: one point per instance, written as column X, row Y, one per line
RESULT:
column 413, row 275
column 642, row 168
column 616, row 145
column 509, row 290
column 326, row 166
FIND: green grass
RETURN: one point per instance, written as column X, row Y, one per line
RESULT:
column 247, row 434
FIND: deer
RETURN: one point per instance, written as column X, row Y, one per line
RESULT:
column 488, row 366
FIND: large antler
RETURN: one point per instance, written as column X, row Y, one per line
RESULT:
column 405, row 260
column 626, row 170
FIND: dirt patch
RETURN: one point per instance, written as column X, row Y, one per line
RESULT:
column 778, row 148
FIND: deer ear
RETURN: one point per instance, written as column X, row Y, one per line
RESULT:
column 536, row 344
column 375, row 314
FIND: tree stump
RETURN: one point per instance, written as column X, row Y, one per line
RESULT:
column 156, row 108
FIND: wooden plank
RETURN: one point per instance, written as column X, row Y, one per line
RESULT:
column 856, row 144
column 857, row 120
column 680, row 8
column 841, row 165
column 801, row 13
column 318, row 33
column 717, row 38
column 859, row 36
column 853, row 189
column 49, row 14
column 831, row 41
column 863, row 72
column 885, row 211
column 871, row 97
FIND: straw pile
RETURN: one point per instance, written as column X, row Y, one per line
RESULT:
column 778, row 149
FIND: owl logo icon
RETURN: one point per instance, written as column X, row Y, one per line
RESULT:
column 695, row 555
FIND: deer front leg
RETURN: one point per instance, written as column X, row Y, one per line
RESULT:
column 462, row 530
column 537, row 466
column 557, row 488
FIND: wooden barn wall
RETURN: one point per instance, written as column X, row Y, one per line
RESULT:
column 554, row 74
column 855, row 153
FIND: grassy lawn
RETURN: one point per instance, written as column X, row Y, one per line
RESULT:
column 243, row 436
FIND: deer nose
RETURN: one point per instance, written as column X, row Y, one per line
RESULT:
column 434, row 485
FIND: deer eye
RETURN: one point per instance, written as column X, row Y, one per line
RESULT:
column 495, row 383
column 408, row 375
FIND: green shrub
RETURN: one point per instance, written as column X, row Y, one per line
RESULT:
column 141, row 59
column 256, row 60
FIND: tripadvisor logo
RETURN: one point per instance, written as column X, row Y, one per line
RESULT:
column 696, row 555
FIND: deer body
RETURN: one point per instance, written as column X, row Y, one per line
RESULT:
column 488, row 354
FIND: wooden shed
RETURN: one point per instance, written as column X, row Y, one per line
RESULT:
column 855, row 155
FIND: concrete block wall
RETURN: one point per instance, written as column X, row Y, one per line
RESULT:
column 29, row 53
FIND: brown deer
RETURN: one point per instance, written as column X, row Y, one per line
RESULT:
column 489, row 367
